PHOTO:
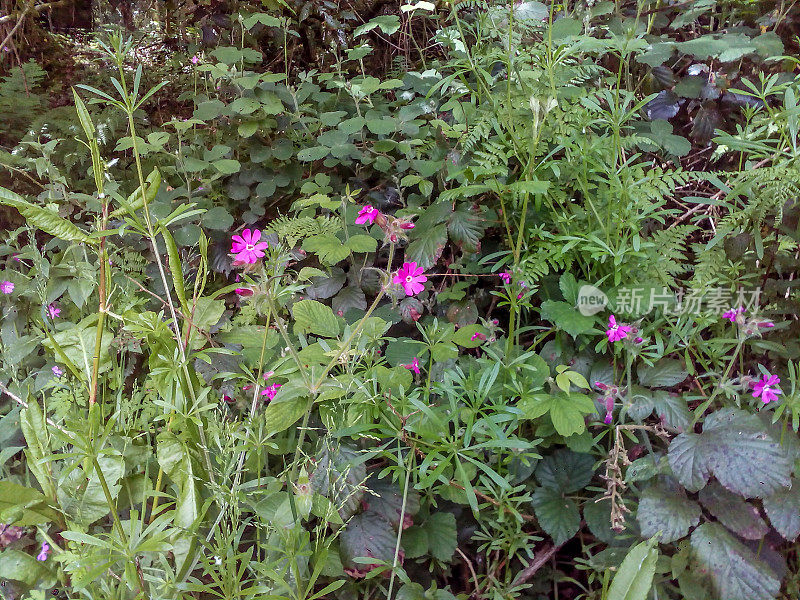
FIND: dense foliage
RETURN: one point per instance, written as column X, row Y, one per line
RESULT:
column 419, row 301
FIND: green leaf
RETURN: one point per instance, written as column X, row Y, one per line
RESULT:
column 566, row 317
column 557, row 515
column 388, row 24
column 279, row 416
column 386, row 499
column 566, row 411
column 635, row 575
column 737, row 449
column 314, row 317
column 667, row 372
column 23, row 506
column 34, row 428
column 442, row 535
column 464, row 336
column 329, row 248
column 83, row 116
column 565, row 471
column 783, row 510
column 175, row 268
column 179, row 463
column 21, row 566
column 44, row 219
column 313, row 153
column 362, row 243
column 733, row 512
column 735, row 572
column 667, row 510
column 466, row 227
column 427, row 245
column 227, row 166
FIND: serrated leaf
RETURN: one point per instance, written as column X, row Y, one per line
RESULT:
column 314, row 317
column 783, row 510
column 735, row 572
column 366, row 535
column 566, row 317
column 667, row 510
column 442, row 535
column 465, row 227
column 667, row 372
column 565, row 470
column 349, row 297
column 386, row 499
column 733, row 512
column 635, row 575
column 427, row 245
column 557, row 515
column 329, row 248
column 737, row 449
column 362, row 243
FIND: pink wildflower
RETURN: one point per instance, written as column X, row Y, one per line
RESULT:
column 271, row 391
column 413, row 365
column 247, row 248
column 44, row 553
column 6, row 287
column 53, row 311
column 243, row 292
column 411, row 278
column 227, row 399
column 616, row 332
column 195, row 59
column 732, row 313
column 505, row 276
column 767, row 388
column 368, row 214
column 478, row 336
column 57, row 372
column 405, row 224
column 268, row 374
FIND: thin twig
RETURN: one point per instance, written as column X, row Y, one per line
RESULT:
column 17, row 26
column 36, row 9
column 545, row 554
column 24, row 404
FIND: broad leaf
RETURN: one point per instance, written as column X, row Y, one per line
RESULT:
column 735, row 572
column 565, row 470
column 314, row 317
column 557, row 515
column 667, row 510
column 737, row 449
column 733, row 512
column 665, row 373
column 783, row 510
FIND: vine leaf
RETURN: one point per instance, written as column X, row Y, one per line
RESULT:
column 666, row 509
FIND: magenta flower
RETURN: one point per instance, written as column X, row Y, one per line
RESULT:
column 6, row 287
column 195, row 59
column 616, row 332
column 368, row 214
column 271, row 390
column 505, row 276
column 732, row 313
column 243, row 291
column 609, row 416
column 53, row 311
column 227, row 399
column 478, row 336
column 413, row 365
column 767, row 388
column 405, row 224
column 411, row 278
column 44, row 553
column 57, row 372
column 247, row 248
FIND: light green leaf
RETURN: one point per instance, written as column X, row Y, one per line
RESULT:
column 314, row 317
column 44, row 219
column 635, row 575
